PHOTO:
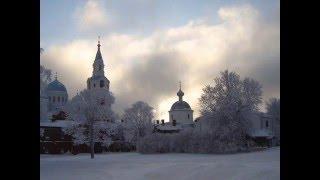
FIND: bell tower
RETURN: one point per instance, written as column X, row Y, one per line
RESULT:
column 98, row 79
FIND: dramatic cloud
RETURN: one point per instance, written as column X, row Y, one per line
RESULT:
column 91, row 16
column 149, row 67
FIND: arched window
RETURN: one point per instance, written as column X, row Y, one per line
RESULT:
column 188, row 116
column 267, row 123
column 58, row 98
column 94, row 84
column 101, row 83
column 53, row 99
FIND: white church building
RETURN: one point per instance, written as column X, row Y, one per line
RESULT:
column 52, row 99
column 180, row 116
column 181, row 112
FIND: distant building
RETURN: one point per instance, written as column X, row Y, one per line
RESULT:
column 180, row 117
column 57, row 95
column 181, row 111
column 53, row 98
column 264, row 130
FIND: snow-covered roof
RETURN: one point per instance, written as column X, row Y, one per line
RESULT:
column 261, row 133
column 168, row 127
column 57, row 123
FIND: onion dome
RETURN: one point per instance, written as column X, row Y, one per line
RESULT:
column 56, row 86
column 179, row 105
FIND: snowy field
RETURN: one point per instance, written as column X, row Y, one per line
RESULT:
column 261, row 165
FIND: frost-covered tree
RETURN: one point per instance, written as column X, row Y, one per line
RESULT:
column 91, row 111
column 137, row 121
column 45, row 78
column 226, row 109
column 273, row 110
column 45, row 75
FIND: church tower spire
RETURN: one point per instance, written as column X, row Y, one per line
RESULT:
column 98, row 55
column 98, row 79
column 98, row 65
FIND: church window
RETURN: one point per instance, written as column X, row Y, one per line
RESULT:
column 101, row 83
column 58, row 98
column 100, row 67
column 267, row 124
column 49, row 98
column 94, row 84
column 102, row 102
column 53, row 99
column 188, row 116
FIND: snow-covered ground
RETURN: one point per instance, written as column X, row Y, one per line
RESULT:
column 134, row 166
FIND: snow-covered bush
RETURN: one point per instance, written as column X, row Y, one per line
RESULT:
column 184, row 142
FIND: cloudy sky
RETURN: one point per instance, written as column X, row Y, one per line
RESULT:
column 149, row 46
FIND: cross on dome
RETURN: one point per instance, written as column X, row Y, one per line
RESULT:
column 98, row 55
column 180, row 92
column 99, row 42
